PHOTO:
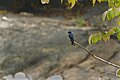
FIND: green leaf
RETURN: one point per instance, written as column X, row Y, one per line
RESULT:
column 99, row 36
column 118, row 73
column 117, row 11
column 61, row 1
column 110, row 14
column 111, row 3
column 118, row 35
column 112, row 31
column 95, row 38
column 117, row 3
column 44, row 1
column 117, row 29
column 90, row 39
column 93, row 2
column 3, row 11
column 105, row 36
column 118, row 21
column 72, row 2
column 101, row 1
column 104, row 15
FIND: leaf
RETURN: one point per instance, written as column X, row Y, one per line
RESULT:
column 105, row 36
column 90, row 39
column 3, row 12
column 117, row 11
column 72, row 2
column 111, row 3
column 118, row 21
column 118, row 35
column 93, row 2
column 104, row 15
column 95, row 38
column 112, row 31
column 110, row 14
column 99, row 36
column 116, row 29
column 117, row 3
column 118, row 73
column 44, row 1
column 61, row 1
column 101, row 1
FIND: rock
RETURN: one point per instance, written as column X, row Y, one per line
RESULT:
column 73, row 58
column 44, row 46
column 4, row 18
column 55, row 77
column 20, row 76
column 8, row 77
column 42, row 51
column 105, row 50
column 17, row 76
column 75, row 74
column 83, row 74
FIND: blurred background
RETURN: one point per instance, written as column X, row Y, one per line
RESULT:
column 34, row 40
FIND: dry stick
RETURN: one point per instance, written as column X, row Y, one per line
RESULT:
column 98, row 58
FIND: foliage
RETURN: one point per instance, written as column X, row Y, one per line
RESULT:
column 71, row 2
column 47, row 1
column 112, row 12
column 3, row 11
column 104, row 36
column 118, row 73
column 80, row 21
column 44, row 1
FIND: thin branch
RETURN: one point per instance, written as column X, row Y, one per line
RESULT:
column 98, row 58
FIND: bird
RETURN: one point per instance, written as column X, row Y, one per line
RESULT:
column 71, row 36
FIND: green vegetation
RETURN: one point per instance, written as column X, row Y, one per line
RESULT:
column 112, row 12
column 80, row 22
column 105, row 36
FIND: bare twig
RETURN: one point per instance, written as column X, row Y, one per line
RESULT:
column 98, row 58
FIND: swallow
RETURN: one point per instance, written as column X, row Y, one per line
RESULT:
column 71, row 36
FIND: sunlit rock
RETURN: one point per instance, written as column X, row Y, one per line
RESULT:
column 20, row 76
column 8, row 77
column 55, row 77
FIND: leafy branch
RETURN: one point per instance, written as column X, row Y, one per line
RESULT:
column 104, row 36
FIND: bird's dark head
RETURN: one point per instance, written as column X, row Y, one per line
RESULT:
column 69, row 32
